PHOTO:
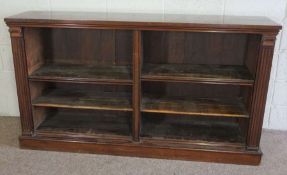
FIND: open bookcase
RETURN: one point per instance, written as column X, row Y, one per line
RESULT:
column 165, row 89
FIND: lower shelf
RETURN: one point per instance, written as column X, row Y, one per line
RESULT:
column 86, row 123
column 187, row 128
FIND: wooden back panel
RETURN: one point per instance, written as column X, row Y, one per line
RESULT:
column 194, row 48
column 192, row 90
column 78, row 46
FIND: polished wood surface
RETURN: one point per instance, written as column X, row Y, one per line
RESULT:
column 129, row 20
column 142, row 150
column 260, row 91
column 20, row 66
column 149, row 85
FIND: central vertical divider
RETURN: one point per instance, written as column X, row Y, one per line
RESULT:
column 137, row 52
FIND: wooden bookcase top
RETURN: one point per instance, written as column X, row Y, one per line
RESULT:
column 247, row 24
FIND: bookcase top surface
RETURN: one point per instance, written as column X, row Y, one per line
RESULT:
column 143, row 21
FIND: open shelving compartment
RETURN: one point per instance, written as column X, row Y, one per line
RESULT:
column 79, row 55
column 80, row 82
column 186, row 87
column 197, row 88
column 149, row 86
column 195, row 114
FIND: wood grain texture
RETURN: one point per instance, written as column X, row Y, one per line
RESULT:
column 34, row 50
column 137, row 53
column 260, row 91
column 21, row 74
column 89, row 123
column 194, row 48
column 193, row 90
column 194, row 106
column 217, row 74
column 141, row 150
column 84, row 99
column 88, row 47
column 82, row 73
column 207, row 23
column 191, row 128
column 210, row 111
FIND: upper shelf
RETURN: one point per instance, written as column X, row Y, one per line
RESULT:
column 212, row 74
column 145, row 21
column 81, row 73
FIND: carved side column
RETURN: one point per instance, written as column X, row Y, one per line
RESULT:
column 260, row 91
column 21, row 74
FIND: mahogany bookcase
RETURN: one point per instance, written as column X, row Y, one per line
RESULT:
column 163, row 86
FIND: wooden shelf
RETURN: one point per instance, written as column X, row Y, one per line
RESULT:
column 83, row 73
column 217, row 74
column 191, row 129
column 84, row 99
column 194, row 106
column 85, row 122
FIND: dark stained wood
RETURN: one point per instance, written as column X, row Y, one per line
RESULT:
column 191, row 48
column 142, row 150
column 181, row 22
column 73, row 122
column 260, row 91
column 252, row 50
column 191, row 128
column 34, row 50
column 137, row 54
column 89, row 47
column 80, row 73
column 36, row 90
column 192, row 144
column 217, row 74
column 38, row 117
column 77, row 47
column 194, row 90
column 21, row 74
column 200, row 82
column 78, row 98
column 194, row 106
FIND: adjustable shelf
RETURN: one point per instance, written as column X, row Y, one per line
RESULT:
column 217, row 74
column 176, row 87
column 195, row 106
column 107, row 74
column 65, row 99
column 84, row 99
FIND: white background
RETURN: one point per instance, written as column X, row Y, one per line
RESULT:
column 276, row 108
